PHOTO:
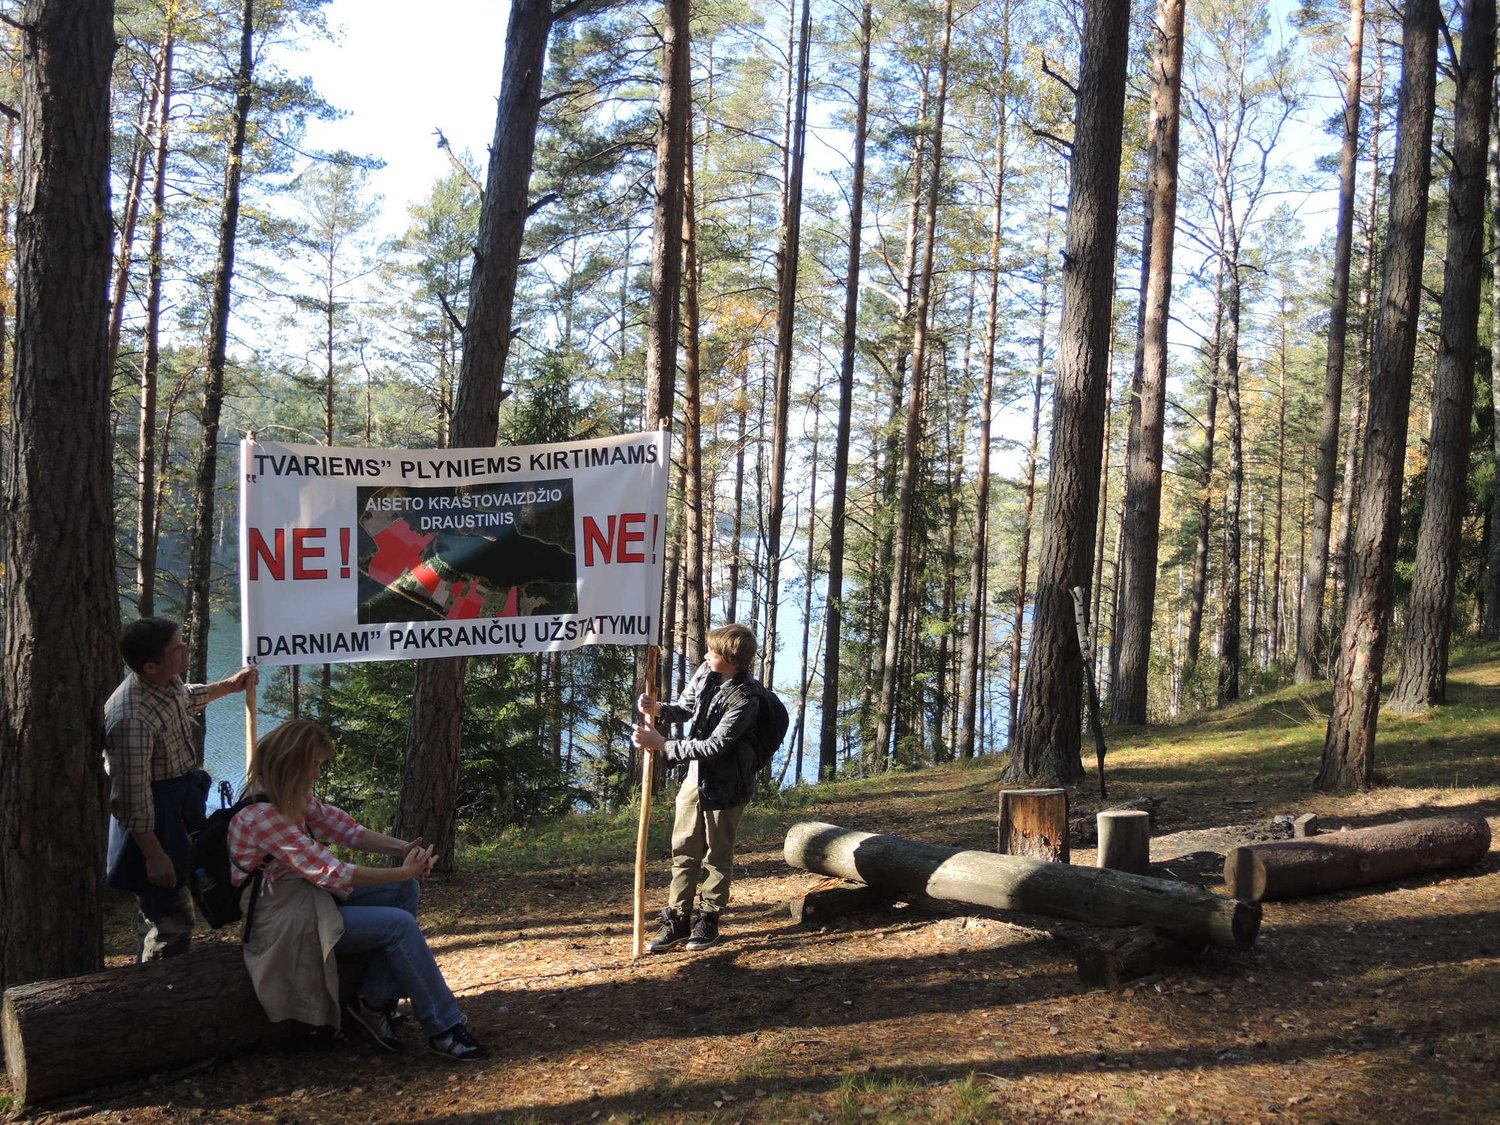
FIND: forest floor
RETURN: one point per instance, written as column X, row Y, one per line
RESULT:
column 1375, row 1005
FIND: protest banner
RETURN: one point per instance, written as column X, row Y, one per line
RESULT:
column 369, row 554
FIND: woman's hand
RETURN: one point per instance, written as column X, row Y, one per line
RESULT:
column 418, row 862
column 647, row 706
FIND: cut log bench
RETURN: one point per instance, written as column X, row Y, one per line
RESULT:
column 908, row 869
column 70, row 1034
column 1336, row 861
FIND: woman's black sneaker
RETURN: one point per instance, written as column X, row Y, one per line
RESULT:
column 705, row 931
column 459, row 1043
column 673, row 929
column 377, row 1021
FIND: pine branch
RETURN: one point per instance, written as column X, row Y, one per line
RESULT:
column 1050, row 73
column 452, row 316
column 442, row 143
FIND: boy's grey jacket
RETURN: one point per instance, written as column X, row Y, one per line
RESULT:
column 721, row 725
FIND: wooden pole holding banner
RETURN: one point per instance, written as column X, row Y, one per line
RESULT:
column 250, row 732
column 648, row 786
column 648, row 783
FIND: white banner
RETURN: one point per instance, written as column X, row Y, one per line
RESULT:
column 380, row 554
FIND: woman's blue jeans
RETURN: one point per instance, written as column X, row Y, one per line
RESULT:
column 382, row 921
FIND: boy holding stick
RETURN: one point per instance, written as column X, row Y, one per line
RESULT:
column 719, row 705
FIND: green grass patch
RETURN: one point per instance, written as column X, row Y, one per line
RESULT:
column 1269, row 746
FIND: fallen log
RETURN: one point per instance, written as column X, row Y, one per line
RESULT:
column 1135, row 954
column 1335, row 861
column 73, row 1033
column 833, row 898
column 903, row 868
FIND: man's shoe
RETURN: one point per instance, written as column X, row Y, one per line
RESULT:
column 377, row 1021
column 672, row 931
column 705, row 931
column 459, row 1043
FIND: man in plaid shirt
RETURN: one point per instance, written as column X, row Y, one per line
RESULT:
column 157, row 789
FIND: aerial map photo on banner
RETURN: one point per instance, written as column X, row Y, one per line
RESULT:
column 367, row 554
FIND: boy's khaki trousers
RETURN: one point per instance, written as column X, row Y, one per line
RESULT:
column 702, row 849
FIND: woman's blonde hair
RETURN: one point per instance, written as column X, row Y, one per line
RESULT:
column 282, row 762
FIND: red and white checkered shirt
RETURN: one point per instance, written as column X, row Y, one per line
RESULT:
column 260, row 830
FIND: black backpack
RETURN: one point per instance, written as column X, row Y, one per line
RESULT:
column 771, row 723
column 218, row 900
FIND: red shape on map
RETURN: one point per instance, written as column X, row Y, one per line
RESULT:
column 468, row 604
column 512, row 603
column 398, row 549
column 428, row 577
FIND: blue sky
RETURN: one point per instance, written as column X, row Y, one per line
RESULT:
column 399, row 73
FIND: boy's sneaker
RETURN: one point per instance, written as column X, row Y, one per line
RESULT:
column 459, row 1043
column 377, row 1021
column 673, row 930
column 705, row 930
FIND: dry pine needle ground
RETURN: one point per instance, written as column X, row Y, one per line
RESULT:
column 1375, row 1005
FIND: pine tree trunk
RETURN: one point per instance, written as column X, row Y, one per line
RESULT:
column 674, row 109
column 130, row 214
column 1047, row 736
column 1278, row 603
column 696, row 625
column 901, row 536
column 970, row 676
column 736, row 538
column 145, row 529
column 1033, row 457
column 427, row 806
column 944, row 734
column 206, row 481
column 1349, row 753
column 787, row 259
column 1424, row 663
column 1102, row 521
column 60, row 659
column 1315, row 580
column 878, row 589
column 1490, row 627
column 805, row 676
column 1342, row 539
column 838, row 503
column 1229, row 646
column 1198, row 593
column 1141, row 525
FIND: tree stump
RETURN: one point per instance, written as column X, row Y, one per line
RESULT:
column 1336, row 861
column 911, row 871
column 1034, row 824
column 72, row 1033
column 1125, row 841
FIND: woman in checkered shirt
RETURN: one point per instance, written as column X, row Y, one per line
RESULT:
column 313, row 906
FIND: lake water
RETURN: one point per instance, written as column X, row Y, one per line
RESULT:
column 224, row 746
